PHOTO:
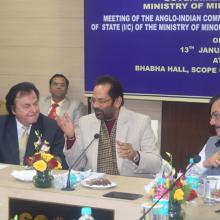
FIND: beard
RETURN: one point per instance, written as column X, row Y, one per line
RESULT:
column 105, row 115
column 99, row 113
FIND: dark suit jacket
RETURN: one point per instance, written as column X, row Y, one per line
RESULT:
column 9, row 149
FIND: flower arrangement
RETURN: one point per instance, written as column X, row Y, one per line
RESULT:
column 42, row 160
column 179, row 193
column 182, row 192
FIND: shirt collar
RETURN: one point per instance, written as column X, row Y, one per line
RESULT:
column 19, row 126
column 59, row 103
column 217, row 144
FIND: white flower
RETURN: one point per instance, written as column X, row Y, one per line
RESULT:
column 45, row 148
column 40, row 145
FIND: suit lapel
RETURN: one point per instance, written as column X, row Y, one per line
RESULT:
column 94, row 129
column 121, row 132
column 12, row 139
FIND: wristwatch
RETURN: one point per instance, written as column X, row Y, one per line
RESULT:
column 136, row 157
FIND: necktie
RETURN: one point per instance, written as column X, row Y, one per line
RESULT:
column 23, row 143
column 52, row 113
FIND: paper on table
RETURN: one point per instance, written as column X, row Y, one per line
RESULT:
column 3, row 166
column 23, row 175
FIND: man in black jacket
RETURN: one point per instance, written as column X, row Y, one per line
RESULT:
column 22, row 106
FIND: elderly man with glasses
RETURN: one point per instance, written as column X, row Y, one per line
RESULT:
column 210, row 154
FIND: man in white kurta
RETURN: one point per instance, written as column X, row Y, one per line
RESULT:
column 136, row 152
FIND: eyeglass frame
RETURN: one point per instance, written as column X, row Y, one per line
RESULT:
column 99, row 101
column 215, row 116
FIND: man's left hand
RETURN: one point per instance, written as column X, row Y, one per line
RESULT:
column 125, row 150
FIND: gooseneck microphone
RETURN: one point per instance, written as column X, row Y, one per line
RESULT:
column 196, row 159
column 68, row 185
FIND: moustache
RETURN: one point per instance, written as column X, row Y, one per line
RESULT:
column 97, row 110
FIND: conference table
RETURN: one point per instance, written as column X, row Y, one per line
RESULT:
column 14, row 193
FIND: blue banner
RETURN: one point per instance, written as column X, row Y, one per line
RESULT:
column 164, row 48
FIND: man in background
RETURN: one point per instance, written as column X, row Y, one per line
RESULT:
column 126, row 144
column 210, row 154
column 58, row 103
column 17, row 129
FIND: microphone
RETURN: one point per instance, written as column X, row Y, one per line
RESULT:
column 196, row 159
column 68, row 186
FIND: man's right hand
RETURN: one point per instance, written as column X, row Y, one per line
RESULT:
column 213, row 161
column 66, row 125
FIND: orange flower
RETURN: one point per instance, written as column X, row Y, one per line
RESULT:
column 37, row 156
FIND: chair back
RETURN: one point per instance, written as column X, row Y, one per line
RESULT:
column 3, row 110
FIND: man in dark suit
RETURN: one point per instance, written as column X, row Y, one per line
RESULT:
column 22, row 106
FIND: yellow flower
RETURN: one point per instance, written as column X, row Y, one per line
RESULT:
column 151, row 192
column 167, row 183
column 46, row 156
column 179, row 194
column 40, row 165
column 59, row 166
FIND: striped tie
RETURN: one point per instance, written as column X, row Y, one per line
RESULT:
column 52, row 113
column 23, row 143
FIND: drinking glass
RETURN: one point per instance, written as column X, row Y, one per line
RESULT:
column 209, row 187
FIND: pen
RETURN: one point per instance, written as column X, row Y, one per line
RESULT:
column 217, row 210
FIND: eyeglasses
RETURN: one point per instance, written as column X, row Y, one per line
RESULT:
column 215, row 116
column 99, row 101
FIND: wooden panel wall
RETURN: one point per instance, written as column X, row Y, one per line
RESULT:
column 39, row 38
column 185, row 130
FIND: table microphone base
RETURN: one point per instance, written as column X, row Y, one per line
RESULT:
column 68, row 189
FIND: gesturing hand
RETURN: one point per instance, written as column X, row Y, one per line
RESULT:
column 66, row 125
column 213, row 161
column 125, row 150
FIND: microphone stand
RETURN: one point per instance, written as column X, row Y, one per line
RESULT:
column 68, row 185
column 169, row 189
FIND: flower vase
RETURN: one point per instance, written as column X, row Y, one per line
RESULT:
column 43, row 179
column 175, row 211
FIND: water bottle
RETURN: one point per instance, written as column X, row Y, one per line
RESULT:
column 159, row 190
column 192, row 176
column 86, row 214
